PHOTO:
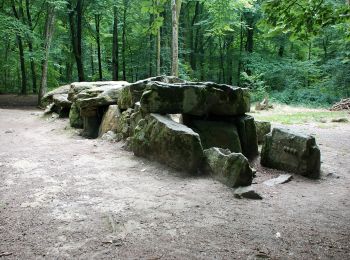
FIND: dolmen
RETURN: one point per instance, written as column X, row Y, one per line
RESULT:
column 212, row 132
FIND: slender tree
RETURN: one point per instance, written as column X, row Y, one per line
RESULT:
column 115, row 49
column 48, row 34
column 176, row 8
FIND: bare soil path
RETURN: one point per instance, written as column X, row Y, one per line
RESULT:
column 64, row 197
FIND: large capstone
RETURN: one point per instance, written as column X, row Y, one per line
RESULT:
column 48, row 97
column 217, row 134
column 198, row 99
column 262, row 129
column 104, row 95
column 110, row 120
column 159, row 138
column 232, row 169
column 286, row 150
column 131, row 94
column 61, row 104
column 78, row 87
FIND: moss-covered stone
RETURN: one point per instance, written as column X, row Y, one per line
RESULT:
column 247, row 134
column 198, row 99
column 48, row 97
column 132, row 93
column 75, row 118
column 99, row 96
column 232, row 169
column 262, row 129
column 286, row 150
column 159, row 138
column 95, row 88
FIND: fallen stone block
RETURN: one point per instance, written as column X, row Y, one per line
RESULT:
column 158, row 138
column 247, row 192
column 198, row 99
column 294, row 152
column 232, row 169
column 262, row 129
column 283, row 178
column 131, row 94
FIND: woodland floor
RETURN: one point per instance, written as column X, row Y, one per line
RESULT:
column 65, row 197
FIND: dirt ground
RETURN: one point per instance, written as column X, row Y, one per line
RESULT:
column 64, row 197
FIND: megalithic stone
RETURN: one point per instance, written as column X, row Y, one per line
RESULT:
column 287, row 150
column 198, row 99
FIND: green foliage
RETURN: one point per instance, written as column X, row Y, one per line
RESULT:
column 299, row 50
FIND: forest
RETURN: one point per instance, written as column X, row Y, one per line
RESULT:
column 292, row 51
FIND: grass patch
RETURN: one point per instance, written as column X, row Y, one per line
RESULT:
column 300, row 117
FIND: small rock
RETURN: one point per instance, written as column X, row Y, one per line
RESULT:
column 247, row 192
column 9, row 131
column 284, row 178
column 330, row 175
column 340, row 120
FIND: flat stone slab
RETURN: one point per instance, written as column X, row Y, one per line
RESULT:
column 284, row 178
column 104, row 95
column 291, row 151
column 247, row 192
column 48, row 97
column 132, row 93
column 198, row 99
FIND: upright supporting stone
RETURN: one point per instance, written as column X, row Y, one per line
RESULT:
column 159, row 138
column 110, row 120
column 217, row 134
column 290, row 151
column 91, row 119
column 262, row 129
column 247, row 135
column 75, row 119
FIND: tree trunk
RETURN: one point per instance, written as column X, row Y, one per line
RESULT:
column 240, row 54
column 250, row 20
column 49, row 29
column 176, row 8
column 98, row 41
column 193, row 38
column 124, row 40
column 75, row 22
column 21, row 54
column 158, row 46
column 30, row 46
column 115, row 54
column 150, row 42
column 92, row 64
